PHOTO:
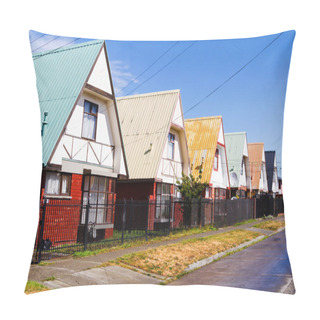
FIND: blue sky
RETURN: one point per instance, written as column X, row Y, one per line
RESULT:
column 244, row 80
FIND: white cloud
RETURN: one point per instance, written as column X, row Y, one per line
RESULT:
column 121, row 76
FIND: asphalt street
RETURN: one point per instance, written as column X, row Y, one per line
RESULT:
column 264, row 266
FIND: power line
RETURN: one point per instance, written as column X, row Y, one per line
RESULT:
column 233, row 75
column 148, row 67
column 51, row 51
column 46, row 43
column 37, row 38
column 176, row 57
column 213, row 91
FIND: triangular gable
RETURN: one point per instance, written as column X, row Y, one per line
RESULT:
column 221, row 136
column 202, row 137
column 145, row 122
column 61, row 75
column 100, row 77
column 177, row 118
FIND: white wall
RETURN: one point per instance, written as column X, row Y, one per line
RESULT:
column 219, row 178
column 105, row 151
column 171, row 170
column 100, row 74
column 177, row 115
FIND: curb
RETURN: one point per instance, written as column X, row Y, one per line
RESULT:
column 219, row 255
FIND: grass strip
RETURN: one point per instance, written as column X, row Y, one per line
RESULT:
column 33, row 287
column 272, row 225
column 172, row 260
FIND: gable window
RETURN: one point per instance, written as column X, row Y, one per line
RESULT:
column 171, row 139
column 242, row 165
column 216, row 160
column 57, row 184
column 89, row 124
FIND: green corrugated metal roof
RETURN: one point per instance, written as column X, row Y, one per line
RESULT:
column 234, row 146
column 61, row 75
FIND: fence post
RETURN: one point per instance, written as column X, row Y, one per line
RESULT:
column 169, row 213
column 85, row 236
column 130, row 215
column 124, row 212
column 42, row 223
column 211, row 200
column 147, row 224
column 199, row 212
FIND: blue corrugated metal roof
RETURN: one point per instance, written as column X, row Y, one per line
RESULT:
column 61, row 75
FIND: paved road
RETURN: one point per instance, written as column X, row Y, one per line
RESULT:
column 264, row 266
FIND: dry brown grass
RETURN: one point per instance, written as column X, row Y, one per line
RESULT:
column 172, row 260
column 270, row 225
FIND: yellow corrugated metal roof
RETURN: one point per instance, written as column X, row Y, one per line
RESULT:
column 202, row 137
column 255, row 151
column 146, row 119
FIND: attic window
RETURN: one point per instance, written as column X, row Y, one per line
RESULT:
column 89, row 124
column 171, row 139
column 216, row 160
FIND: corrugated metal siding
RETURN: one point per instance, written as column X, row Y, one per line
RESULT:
column 234, row 147
column 202, row 137
column 255, row 151
column 145, row 119
column 60, row 76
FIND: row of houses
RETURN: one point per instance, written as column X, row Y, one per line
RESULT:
column 98, row 148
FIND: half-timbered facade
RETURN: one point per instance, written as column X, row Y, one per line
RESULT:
column 82, row 148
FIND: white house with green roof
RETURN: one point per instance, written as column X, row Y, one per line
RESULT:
column 82, row 146
column 238, row 163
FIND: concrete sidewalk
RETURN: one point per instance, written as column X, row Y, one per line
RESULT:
column 83, row 271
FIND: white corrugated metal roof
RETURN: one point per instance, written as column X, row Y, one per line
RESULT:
column 145, row 119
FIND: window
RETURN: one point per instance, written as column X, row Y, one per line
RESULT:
column 216, row 160
column 220, row 193
column 242, row 165
column 171, row 139
column 89, row 124
column 97, row 190
column 57, row 184
column 162, row 201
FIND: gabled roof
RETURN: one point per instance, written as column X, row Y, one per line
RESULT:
column 234, row 146
column 270, row 156
column 145, row 121
column 255, row 151
column 61, row 75
column 202, row 137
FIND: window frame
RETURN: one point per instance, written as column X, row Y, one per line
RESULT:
column 109, row 183
column 60, row 175
column 216, row 156
column 160, row 204
column 171, row 141
column 90, row 114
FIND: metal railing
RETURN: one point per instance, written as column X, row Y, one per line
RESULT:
column 67, row 226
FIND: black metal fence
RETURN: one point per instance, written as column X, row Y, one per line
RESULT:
column 67, row 226
column 267, row 205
